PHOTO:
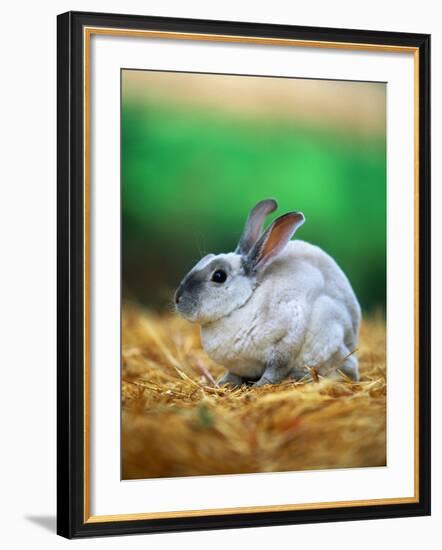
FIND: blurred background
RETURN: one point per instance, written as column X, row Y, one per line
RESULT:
column 198, row 151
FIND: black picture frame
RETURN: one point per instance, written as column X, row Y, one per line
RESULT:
column 71, row 521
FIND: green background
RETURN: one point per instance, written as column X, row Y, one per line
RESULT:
column 190, row 175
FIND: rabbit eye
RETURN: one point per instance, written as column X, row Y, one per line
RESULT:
column 219, row 276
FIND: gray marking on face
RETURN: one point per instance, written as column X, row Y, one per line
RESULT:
column 199, row 275
column 202, row 298
column 204, row 272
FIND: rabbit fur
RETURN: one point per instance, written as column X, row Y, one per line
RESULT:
column 274, row 308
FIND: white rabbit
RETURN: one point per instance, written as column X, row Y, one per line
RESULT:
column 273, row 309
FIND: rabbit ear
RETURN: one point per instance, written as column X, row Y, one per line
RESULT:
column 253, row 227
column 274, row 240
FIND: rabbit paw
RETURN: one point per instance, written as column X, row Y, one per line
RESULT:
column 275, row 372
column 263, row 381
column 350, row 368
column 230, row 379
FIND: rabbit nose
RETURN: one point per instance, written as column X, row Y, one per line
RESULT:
column 178, row 295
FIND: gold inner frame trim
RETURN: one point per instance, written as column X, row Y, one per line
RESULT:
column 87, row 34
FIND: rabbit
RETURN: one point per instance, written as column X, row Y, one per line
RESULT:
column 274, row 308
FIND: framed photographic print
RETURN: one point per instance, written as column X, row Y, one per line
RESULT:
column 243, row 274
